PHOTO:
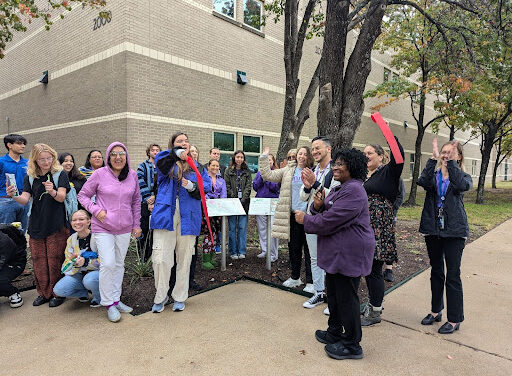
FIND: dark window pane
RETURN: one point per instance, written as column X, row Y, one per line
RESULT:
column 225, row 159
column 252, row 13
column 224, row 141
column 252, row 162
column 251, row 144
column 226, row 7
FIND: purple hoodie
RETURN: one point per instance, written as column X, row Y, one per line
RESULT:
column 120, row 199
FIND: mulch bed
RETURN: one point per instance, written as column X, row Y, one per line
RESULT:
column 412, row 255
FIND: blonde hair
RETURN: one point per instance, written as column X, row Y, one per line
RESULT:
column 33, row 168
column 460, row 150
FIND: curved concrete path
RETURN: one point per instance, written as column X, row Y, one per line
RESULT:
column 250, row 329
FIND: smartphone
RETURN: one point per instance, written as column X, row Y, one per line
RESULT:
column 11, row 180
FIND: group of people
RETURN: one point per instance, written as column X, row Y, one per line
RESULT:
column 336, row 212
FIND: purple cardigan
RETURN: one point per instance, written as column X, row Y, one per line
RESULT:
column 264, row 188
column 346, row 242
column 218, row 190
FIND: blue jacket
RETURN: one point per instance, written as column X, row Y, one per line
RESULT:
column 10, row 166
column 165, row 204
column 265, row 188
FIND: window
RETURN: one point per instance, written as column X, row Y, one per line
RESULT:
column 225, row 142
column 473, row 168
column 225, row 7
column 395, row 76
column 252, row 13
column 251, row 145
column 387, row 74
column 506, row 171
column 411, row 163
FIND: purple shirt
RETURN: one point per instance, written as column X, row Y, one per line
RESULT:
column 218, row 189
column 264, row 188
column 346, row 242
column 444, row 186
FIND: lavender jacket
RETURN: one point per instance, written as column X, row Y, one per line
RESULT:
column 346, row 242
column 218, row 190
column 120, row 199
column 265, row 188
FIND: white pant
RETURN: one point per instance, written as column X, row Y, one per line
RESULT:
column 164, row 244
column 112, row 251
column 317, row 272
column 261, row 221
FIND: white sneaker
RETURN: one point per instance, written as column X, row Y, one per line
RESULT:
column 326, row 311
column 123, row 308
column 262, row 255
column 234, row 257
column 15, row 300
column 309, row 288
column 241, row 256
column 315, row 300
column 113, row 314
column 292, row 282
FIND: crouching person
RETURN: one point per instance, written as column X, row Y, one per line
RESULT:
column 82, row 264
column 13, row 258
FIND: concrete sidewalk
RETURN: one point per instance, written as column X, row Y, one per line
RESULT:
column 250, row 329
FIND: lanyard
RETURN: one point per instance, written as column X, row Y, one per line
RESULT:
column 440, row 190
column 317, row 178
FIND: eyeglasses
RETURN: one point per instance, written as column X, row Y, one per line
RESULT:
column 291, row 157
column 117, row 153
column 42, row 160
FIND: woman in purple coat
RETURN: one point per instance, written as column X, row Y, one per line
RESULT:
column 266, row 189
column 346, row 244
column 218, row 191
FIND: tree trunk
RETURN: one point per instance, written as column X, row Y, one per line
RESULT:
column 348, row 88
column 486, row 150
column 452, row 132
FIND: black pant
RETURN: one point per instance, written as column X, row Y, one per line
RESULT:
column 451, row 250
column 295, row 245
column 146, row 242
column 7, row 275
column 375, row 283
column 344, row 319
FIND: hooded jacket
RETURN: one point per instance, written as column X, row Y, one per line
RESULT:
column 169, row 189
column 120, row 199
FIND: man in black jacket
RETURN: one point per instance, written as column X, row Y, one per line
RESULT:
column 13, row 258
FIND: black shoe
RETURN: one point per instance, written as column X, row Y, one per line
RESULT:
column 193, row 285
column 55, row 302
column 429, row 319
column 388, row 275
column 339, row 351
column 40, row 300
column 323, row 336
column 448, row 328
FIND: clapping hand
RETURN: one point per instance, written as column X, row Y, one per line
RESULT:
column 266, row 150
column 435, row 149
column 308, row 177
column 318, row 198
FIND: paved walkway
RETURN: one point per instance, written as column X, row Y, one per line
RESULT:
column 250, row 329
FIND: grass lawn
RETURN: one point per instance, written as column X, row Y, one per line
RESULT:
column 496, row 209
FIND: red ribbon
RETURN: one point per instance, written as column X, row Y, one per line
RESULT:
column 384, row 128
column 191, row 163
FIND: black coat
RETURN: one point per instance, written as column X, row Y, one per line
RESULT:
column 456, row 221
column 13, row 247
column 230, row 176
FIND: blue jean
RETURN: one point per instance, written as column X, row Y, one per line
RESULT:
column 11, row 211
column 76, row 286
column 237, row 234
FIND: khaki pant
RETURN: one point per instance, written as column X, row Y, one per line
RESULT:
column 164, row 244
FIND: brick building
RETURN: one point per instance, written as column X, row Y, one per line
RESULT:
column 156, row 67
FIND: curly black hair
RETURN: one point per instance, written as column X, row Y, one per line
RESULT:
column 355, row 160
